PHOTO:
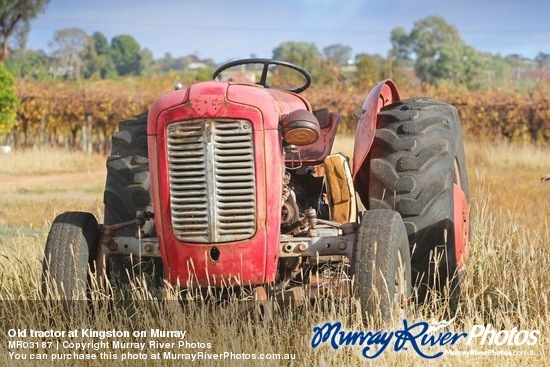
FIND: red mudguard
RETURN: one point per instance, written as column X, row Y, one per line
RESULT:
column 383, row 94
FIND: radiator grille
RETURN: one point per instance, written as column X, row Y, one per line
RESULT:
column 211, row 178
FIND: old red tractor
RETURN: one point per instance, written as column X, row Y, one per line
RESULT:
column 232, row 182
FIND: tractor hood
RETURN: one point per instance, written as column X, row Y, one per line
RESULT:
column 212, row 99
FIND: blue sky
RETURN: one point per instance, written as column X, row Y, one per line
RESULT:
column 232, row 29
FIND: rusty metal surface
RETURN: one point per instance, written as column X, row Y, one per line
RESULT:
column 317, row 246
column 128, row 246
column 320, row 287
column 315, row 153
column 108, row 244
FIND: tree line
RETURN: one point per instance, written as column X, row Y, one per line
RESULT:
column 432, row 52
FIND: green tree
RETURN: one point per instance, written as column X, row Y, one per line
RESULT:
column 439, row 52
column 71, row 48
column 146, row 62
column 501, row 68
column 338, row 54
column 92, row 61
column 426, row 41
column 166, row 63
column 460, row 63
column 370, row 69
column 97, row 58
column 102, row 63
column 125, row 51
column 8, row 100
column 101, row 44
column 15, row 16
column 302, row 54
column 28, row 64
column 400, row 44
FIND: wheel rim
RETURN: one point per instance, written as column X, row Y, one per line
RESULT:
column 461, row 219
column 456, row 174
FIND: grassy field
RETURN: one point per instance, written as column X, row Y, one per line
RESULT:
column 506, row 284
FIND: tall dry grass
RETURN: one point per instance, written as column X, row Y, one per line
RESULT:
column 43, row 161
column 506, row 283
column 36, row 185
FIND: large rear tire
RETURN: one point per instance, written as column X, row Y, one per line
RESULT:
column 128, row 186
column 70, row 252
column 381, row 265
column 127, row 191
column 416, row 160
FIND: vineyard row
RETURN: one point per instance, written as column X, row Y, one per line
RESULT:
column 83, row 116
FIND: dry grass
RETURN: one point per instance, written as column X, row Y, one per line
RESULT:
column 510, row 177
column 38, row 184
column 37, row 161
column 32, row 203
column 506, row 283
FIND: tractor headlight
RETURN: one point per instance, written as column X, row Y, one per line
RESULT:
column 300, row 127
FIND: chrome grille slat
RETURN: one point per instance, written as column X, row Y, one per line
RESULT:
column 231, row 204
column 221, row 173
column 186, row 182
column 185, row 173
column 211, row 180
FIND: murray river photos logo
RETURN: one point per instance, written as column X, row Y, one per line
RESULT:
column 421, row 337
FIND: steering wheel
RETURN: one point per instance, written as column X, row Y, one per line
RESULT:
column 266, row 63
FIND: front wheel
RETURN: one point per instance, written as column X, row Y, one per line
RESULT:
column 381, row 265
column 71, row 249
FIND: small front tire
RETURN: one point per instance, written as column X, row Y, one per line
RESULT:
column 69, row 256
column 381, row 265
